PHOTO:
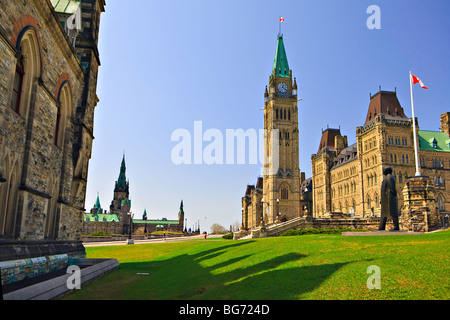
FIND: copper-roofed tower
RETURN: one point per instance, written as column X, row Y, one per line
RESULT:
column 385, row 139
column 281, row 180
column 386, row 103
column 121, row 203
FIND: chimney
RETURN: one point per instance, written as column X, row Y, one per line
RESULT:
column 445, row 123
column 340, row 143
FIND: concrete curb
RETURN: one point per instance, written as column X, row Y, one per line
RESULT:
column 91, row 269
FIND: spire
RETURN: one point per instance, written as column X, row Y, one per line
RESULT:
column 280, row 64
column 181, row 212
column 97, row 203
column 144, row 216
column 97, row 207
column 121, row 182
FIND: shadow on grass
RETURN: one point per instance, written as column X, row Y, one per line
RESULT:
column 206, row 275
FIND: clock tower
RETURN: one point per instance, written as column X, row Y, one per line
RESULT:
column 282, row 178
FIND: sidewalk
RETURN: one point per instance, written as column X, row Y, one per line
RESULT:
column 157, row 240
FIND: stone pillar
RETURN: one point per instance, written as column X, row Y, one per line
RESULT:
column 419, row 212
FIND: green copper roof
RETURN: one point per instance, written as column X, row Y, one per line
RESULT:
column 181, row 209
column 100, row 217
column 127, row 201
column 160, row 222
column 434, row 141
column 65, row 6
column 97, row 203
column 280, row 64
column 121, row 182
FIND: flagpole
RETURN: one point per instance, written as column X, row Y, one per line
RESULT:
column 279, row 26
column 414, row 128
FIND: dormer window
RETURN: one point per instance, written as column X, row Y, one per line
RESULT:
column 434, row 143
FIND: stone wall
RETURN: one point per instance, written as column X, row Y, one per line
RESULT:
column 45, row 139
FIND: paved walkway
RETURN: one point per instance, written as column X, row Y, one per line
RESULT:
column 155, row 240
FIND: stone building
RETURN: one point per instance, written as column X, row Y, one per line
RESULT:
column 347, row 179
column 117, row 220
column 49, row 64
column 277, row 196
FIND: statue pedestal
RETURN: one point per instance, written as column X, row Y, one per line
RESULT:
column 419, row 212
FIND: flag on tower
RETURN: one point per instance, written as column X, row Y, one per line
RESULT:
column 417, row 80
column 281, row 19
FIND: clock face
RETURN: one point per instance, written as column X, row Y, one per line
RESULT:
column 282, row 87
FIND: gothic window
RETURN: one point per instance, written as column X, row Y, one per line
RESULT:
column 289, row 114
column 406, row 159
column 391, row 158
column 284, row 193
column 17, row 87
column 377, row 202
column 440, row 201
column 64, row 107
column 284, row 114
column 28, row 70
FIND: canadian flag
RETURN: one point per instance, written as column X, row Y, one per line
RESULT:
column 417, row 80
column 281, row 19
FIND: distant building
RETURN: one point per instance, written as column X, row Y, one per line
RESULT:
column 117, row 220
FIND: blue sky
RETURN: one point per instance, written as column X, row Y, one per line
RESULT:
column 166, row 64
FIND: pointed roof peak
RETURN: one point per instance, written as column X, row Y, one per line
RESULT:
column 97, row 202
column 280, row 63
column 121, row 182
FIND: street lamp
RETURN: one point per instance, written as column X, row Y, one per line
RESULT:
column 278, row 214
column 129, row 240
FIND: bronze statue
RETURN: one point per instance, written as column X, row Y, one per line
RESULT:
column 389, row 200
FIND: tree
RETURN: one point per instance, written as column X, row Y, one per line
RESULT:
column 218, row 229
column 235, row 226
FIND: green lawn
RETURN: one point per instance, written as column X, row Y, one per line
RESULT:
column 282, row 268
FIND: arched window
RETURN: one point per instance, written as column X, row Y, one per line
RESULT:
column 440, row 201
column 28, row 70
column 284, row 193
column 17, row 87
column 9, row 194
column 63, row 113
